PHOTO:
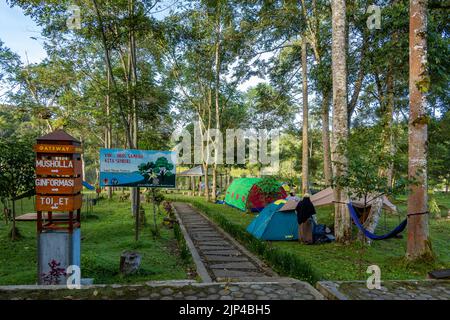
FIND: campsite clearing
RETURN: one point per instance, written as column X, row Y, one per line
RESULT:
column 334, row 261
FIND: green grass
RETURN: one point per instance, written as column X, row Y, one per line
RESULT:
column 345, row 262
column 106, row 233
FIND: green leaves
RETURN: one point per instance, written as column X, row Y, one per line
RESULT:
column 16, row 167
column 269, row 186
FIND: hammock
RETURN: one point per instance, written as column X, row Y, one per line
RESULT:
column 371, row 235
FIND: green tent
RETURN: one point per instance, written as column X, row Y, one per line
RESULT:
column 243, row 194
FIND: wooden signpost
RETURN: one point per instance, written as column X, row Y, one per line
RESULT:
column 58, row 186
column 58, row 180
column 58, row 167
column 58, row 189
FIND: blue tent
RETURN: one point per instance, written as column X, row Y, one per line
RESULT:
column 272, row 224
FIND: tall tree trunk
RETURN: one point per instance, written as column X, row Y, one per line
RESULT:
column 388, row 115
column 83, row 165
column 13, row 230
column 305, row 165
column 132, row 75
column 312, row 28
column 387, row 104
column 418, row 244
column 359, row 78
column 108, row 131
column 208, row 141
column 325, row 113
column 342, row 225
column 123, row 116
column 214, row 183
column 217, row 108
column 387, row 107
column 206, row 182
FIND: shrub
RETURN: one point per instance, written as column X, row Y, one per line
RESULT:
column 185, row 253
column 54, row 274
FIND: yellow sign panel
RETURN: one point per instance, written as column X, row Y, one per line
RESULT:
column 56, row 148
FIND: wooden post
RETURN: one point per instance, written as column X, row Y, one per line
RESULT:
column 137, row 213
column 154, row 212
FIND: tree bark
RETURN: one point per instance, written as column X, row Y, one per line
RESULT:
column 327, row 172
column 108, row 131
column 206, row 182
column 372, row 219
column 418, row 244
column 305, row 165
column 342, row 225
column 13, row 230
column 214, row 183
column 387, row 122
column 110, row 73
column 217, row 108
column 359, row 79
column 313, row 31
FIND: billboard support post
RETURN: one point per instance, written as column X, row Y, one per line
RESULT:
column 137, row 212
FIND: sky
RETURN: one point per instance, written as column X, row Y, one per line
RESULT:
column 16, row 31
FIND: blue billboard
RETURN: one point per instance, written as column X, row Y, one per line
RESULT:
column 137, row 168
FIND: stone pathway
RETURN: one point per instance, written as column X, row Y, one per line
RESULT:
column 222, row 257
column 390, row 290
column 284, row 289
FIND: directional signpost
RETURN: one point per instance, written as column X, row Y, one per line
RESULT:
column 58, row 187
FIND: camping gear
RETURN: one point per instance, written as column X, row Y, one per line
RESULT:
column 439, row 274
column 326, row 197
column 305, row 209
column 272, row 224
column 289, row 205
column 286, row 187
column 244, row 193
column 305, row 231
column 371, row 235
column 321, row 234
